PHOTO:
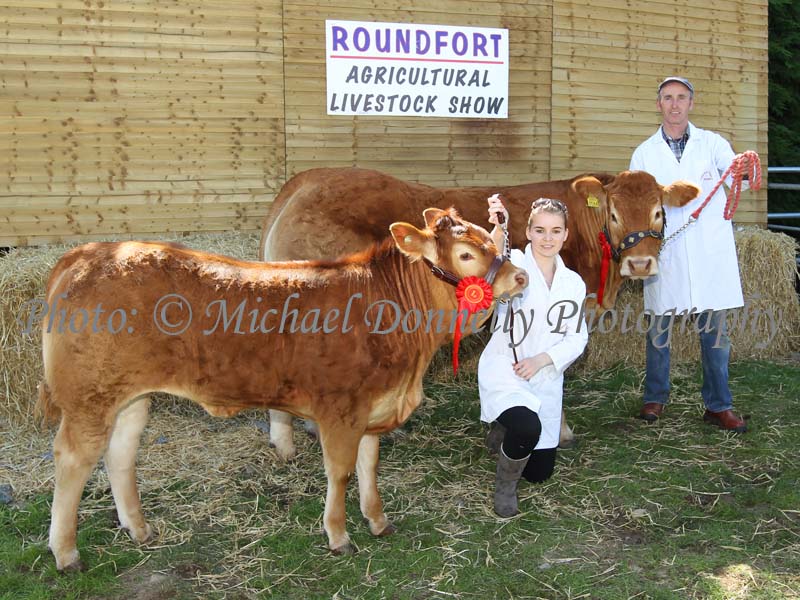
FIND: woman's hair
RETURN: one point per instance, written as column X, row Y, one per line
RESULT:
column 549, row 205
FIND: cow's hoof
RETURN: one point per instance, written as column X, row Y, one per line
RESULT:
column 568, row 443
column 344, row 550
column 388, row 530
column 495, row 438
column 75, row 566
column 142, row 535
column 311, row 429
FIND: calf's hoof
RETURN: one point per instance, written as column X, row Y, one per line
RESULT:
column 141, row 535
column 76, row 567
column 71, row 563
column 380, row 527
column 286, row 452
column 346, row 549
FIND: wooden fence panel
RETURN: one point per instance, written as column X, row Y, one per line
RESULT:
column 136, row 118
column 437, row 151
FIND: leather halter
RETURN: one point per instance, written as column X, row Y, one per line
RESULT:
column 629, row 240
column 453, row 279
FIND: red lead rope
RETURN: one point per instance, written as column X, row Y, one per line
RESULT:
column 746, row 162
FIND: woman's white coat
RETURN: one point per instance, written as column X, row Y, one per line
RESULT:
column 545, row 320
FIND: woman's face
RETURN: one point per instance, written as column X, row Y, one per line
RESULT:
column 547, row 233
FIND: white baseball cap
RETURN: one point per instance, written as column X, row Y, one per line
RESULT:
column 682, row 80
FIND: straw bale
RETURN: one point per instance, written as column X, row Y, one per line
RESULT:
column 767, row 327
column 23, row 275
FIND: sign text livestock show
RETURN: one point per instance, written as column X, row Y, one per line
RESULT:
column 404, row 69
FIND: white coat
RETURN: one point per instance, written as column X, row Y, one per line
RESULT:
column 697, row 270
column 563, row 339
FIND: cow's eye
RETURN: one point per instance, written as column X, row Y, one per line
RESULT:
column 614, row 218
column 466, row 256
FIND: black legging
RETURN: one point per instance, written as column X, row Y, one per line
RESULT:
column 523, row 430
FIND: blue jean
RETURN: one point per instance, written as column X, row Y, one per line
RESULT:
column 715, row 351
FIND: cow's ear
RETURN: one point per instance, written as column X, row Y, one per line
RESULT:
column 680, row 193
column 412, row 242
column 589, row 187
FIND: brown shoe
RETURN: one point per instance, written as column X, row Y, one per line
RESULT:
column 726, row 419
column 651, row 411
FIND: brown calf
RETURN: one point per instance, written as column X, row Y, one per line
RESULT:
column 305, row 337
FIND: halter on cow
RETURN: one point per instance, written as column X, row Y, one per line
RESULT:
column 629, row 240
column 473, row 293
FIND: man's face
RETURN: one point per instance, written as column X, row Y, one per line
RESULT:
column 674, row 103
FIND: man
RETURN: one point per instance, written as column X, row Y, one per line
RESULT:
column 698, row 269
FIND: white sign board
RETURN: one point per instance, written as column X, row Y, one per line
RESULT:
column 404, row 69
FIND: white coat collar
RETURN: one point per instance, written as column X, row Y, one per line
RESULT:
column 561, row 268
column 658, row 136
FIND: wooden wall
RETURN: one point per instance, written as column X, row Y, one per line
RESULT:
column 133, row 118
column 434, row 150
column 138, row 117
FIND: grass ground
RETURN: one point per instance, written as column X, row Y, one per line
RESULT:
column 672, row 510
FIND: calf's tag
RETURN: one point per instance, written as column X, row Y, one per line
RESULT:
column 593, row 202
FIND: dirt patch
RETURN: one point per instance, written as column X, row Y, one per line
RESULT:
column 737, row 581
column 141, row 584
column 144, row 584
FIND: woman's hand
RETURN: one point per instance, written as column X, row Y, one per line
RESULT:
column 528, row 367
column 496, row 207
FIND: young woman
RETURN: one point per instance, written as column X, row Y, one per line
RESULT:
column 524, row 396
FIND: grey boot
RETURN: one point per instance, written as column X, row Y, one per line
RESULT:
column 506, row 478
column 495, row 437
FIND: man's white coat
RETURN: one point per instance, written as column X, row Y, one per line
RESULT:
column 698, row 269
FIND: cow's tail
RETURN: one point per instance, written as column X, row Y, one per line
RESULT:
column 45, row 408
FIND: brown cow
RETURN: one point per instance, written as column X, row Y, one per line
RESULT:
column 322, row 213
column 356, row 372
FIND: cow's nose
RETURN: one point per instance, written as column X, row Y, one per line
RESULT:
column 641, row 266
column 521, row 278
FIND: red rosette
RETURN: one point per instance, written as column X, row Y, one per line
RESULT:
column 473, row 294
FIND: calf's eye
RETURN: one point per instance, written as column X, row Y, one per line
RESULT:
column 466, row 256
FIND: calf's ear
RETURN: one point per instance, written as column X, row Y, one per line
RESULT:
column 680, row 193
column 587, row 187
column 438, row 218
column 412, row 242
